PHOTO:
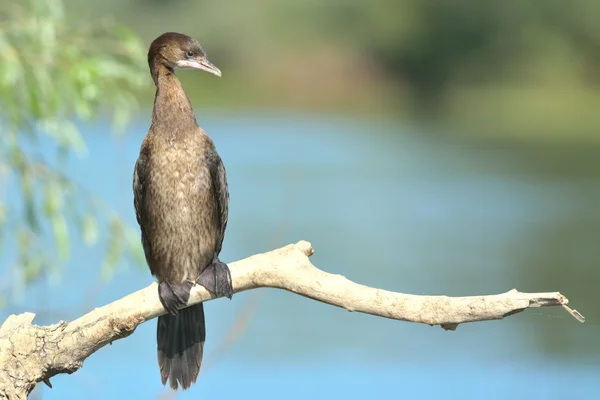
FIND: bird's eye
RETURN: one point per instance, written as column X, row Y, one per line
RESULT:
column 190, row 54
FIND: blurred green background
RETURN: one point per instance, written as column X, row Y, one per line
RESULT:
column 427, row 147
column 521, row 68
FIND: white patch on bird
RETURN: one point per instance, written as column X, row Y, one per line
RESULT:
column 201, row 183
column 188, row 176
column 187, row 64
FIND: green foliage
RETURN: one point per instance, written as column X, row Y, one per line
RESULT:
column 432, row 43
column 55, row 70
column 429, row 58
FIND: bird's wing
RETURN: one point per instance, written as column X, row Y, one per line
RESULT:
column 139, row 186
column 221, row 192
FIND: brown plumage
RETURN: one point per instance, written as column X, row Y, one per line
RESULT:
column 181, row 203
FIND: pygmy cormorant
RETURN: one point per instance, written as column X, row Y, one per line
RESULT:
column 181, row 203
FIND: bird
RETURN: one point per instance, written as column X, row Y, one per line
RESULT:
column 181, row 201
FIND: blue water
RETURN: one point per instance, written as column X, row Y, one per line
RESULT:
column 384, row 205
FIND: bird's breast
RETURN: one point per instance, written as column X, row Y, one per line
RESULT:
column 182, row 211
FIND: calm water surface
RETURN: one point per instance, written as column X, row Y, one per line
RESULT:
column 385, row 206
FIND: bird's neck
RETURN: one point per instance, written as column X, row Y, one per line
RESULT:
column 171, row 104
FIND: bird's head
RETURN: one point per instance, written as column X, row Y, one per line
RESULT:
column 176, row 50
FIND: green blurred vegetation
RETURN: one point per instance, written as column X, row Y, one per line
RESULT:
column 55, row 70
column 524, row 68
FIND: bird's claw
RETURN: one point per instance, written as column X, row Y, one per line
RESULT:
column 174, row 296
column 216, row 278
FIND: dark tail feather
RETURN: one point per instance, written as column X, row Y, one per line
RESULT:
column 180, row 340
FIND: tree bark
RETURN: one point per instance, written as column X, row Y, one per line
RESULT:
column 30, row 354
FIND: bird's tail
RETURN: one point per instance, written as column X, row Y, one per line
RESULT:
column 180, row 340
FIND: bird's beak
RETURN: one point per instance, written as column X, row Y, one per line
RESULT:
column 207, row 66
column 202, row 64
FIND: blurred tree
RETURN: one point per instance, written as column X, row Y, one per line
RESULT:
column 54, row 71
column 432, row 44
column 468, row 59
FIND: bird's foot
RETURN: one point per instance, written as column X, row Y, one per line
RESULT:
column 216, row 278
column 174, row 296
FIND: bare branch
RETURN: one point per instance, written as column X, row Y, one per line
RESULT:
column 31, row 353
